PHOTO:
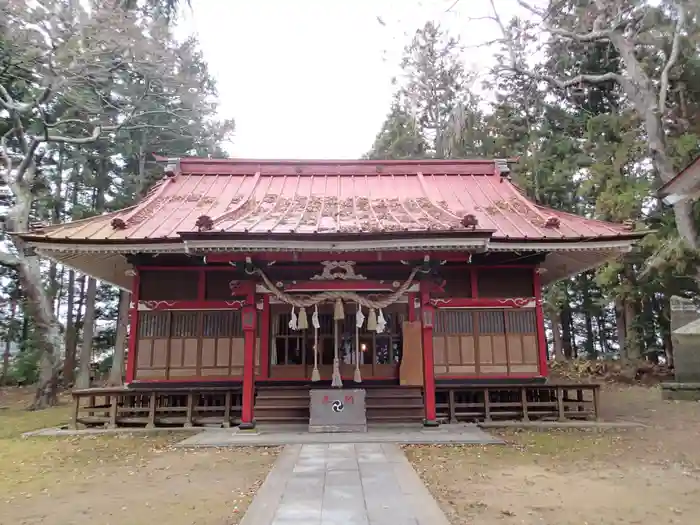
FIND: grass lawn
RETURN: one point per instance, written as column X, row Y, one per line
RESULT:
column 135, row 479
column 633, row 476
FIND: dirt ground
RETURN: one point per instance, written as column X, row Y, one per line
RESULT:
column 118, row 479
column 633, row 476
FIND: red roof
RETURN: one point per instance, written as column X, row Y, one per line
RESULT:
column 334, row 197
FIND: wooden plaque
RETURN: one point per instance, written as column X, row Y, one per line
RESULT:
column 411, row 369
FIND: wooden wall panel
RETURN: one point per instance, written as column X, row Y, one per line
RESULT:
column 184, row 344
column 473, row 342
column 170, row 285
column 501, row 283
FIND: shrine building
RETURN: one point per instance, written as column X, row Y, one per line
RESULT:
column 255, row 281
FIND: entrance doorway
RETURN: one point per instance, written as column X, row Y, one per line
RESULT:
column 292, row 351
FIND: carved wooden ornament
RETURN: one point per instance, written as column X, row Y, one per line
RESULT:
column 344, row 270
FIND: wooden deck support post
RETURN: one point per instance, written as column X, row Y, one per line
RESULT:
column 452, row 407
column 227, row 410
column 112, row 399
column 523, row 401
column 249, row 324
column 76, row 412
column 487, row 405
column 596, row 403
column 560, row 403
column 427, row 321
column 152, row 411
column 190, row 410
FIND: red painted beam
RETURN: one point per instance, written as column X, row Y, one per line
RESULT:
column 191, row 379
column 465, row 302
column 147, row 268
column 428, row 359
column 539, row 317
column 133, row 329
column 199, row 304
column 366, row 285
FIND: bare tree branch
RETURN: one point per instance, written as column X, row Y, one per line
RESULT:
column 672, row 58
column 516, row 67
column 27, row 164
column 601, row 35
column 598, row 33
column 6, row 154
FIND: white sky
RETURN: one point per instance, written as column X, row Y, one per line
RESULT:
column 312, row 78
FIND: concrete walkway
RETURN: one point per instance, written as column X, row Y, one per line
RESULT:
column 266, row 435
column 343, row 484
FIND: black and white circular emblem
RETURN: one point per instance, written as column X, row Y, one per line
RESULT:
column 338, row 406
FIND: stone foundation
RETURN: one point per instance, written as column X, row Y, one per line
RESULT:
column 676, row 391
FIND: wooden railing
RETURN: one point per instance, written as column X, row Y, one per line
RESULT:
column 176, row 406
column 550, row 401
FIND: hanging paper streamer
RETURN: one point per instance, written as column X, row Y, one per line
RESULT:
column 302, row 322
column 293, row 321
column 336, row 381
column 372, row 320
column 339, row 313
column 381, row 322
column 315, row 375
column 359, row 317
column 358, row 323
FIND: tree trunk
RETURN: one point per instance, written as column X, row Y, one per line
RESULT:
column 38, row 301
column 621, row 323
column 557, row 339
column 69, row 362
column 567, row 339
column 632, row 350
column 8, row 343
column 665, row 329
column 40, row 308
column 83, row 380
column 116, row 373
column 642, row 92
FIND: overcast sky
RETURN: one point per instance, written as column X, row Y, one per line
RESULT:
column 312, row 78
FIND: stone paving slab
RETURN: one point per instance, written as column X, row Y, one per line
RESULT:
column 343, row 484
column 62, row 431
column 446, row 434
column 547, row 425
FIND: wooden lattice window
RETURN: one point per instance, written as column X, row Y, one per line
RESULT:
column 185, row 324
column 522, row 322
column 154, row 325
column 224, row 323
column 492, row 322
column 454, row 322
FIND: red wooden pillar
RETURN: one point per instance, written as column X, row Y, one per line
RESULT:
column 539, row 319
column 249, row 321
column 427, row 321
column 133, row 328
column 265, row 338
